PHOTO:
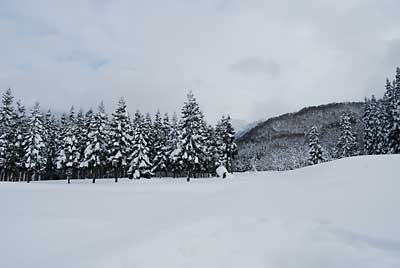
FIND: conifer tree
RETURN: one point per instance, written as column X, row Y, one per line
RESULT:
column 175, row 165
column 7, row 136
column 227, row 147
column 140, row 165
column 35, row 160
column 212, row 156
column 81, row 136
column 394, row 104
column 68, row 158
column 120, row 139
column 347, row 144
column 51, row 143
column 191, row 147
column 85, row 130
column 21, row 131
column 315, row 151
column 151, row 135
column 160, row 130
column 96, row 153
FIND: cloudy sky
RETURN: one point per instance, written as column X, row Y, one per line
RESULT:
column 252, row 59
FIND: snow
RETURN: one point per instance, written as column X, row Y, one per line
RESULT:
column 343, row 213
column 221, row 170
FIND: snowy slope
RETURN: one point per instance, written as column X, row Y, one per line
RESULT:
column 339, row 214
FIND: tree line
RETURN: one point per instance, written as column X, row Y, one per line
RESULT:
column 80, row 145
column 381, row 127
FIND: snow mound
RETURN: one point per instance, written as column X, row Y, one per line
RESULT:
column 339, row 214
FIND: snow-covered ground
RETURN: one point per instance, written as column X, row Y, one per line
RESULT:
column 339, row 214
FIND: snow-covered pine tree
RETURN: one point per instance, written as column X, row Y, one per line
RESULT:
column 140, row 165
column 228, row 148
column 167, row 149
column 96, row 153
column 175, row 165
column 120, row 140
column 347, row 143
column 394, row 130
column 218, row 138
column 35, row 160
column 81, row 136
column 191, row 148
column 8, row 155
column 51, row 144
column 212, row 156
column 137, row 119
column 387, row 109
column 369, row 126
column 380, row 117
column 160, row 161
column 315, row 151
column 84, row 142
column 151, row 135
column 21, row 130
column 68, row 158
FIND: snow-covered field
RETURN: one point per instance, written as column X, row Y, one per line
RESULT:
column 339, row 214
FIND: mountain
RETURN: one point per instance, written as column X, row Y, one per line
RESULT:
column 241, row 126
column 280, row 143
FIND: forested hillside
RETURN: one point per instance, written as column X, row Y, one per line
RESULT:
column 280, row 143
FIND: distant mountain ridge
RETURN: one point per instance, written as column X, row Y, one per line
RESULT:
column 280, row 143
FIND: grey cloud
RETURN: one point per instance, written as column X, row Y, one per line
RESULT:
column 255, row 66
column 252, row 59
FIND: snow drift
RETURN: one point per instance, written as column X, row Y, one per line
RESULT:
column 338, row 214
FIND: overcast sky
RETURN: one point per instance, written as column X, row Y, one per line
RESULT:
column 252, row 59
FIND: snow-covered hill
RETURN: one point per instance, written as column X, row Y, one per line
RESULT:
column 280, row 143
column 339, row 214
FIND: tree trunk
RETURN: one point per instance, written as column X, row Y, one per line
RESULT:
column 188, row 176
column 30, row 177
column 94, row 175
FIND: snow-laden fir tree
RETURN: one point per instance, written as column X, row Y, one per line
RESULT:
column 35, row 160
column 84, row 141
column 51, row 143
column 140, row 165
column 394, row 107
column 369, row 126
column 21, row 130
column 175, row 166
column 211, row 160
column 8, row 155
column 347, row 143
column 150, row 133
column 315, row 151
column 227, row 146
column 120, row 141
column 374, row 119
column 96, row 153
column 161, row 130
column 137, row 119
column 191, row 148
column 68, row 158
column 81, row 136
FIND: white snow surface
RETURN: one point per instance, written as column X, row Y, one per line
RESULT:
column 344, row 213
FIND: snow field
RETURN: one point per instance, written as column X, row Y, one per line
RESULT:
column 339, row 214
